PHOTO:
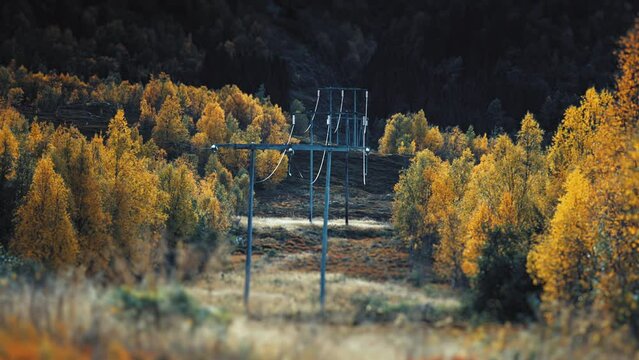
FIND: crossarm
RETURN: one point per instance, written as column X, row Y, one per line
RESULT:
column 293, row 147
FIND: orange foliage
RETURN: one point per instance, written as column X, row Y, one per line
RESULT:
column 22, row 341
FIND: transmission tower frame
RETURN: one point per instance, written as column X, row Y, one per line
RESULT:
column 353, row 140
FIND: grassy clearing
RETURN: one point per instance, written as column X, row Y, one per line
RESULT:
column 294, row 296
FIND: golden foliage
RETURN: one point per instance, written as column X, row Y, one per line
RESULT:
column 476, row 236
column 194, row 99
column 445, row 212
column 404, row 134
column 434, row 139
column 178, row 182
column 157, row 90
column 271, row 125
column 120, row 137
column 210, row 209
column 479, row 146
column 412, row 193
column 236, row 160
column 506, row 212
column 170, row 131
column 135, row 201
column 455, row 141
column 530, row 134
column 75, row 161
column 591, row 251
column 620, row 236
column 10, row 117
column 627, row 82
column 563, row 261
column 44, row 231
column 573, row 140
column 419, row 131
column 38, row 138
column 147, row 116
column 266, row 161
column 442, row 213
column 243, row 107
column 212, row 124
column 8, row 153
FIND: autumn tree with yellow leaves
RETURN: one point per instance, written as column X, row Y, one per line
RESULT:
column 511, row 199
column 210, row 209
column 460, row 209
column 444, row 211
column 564, row 259
column 8, row 154
column 406, row 134
column 243, row 107
column 412, row 194
column 75, row 160
column 627, row 91
column 170, row 131
column 211, row 129
column 134, row 201
column 125, row 194
column 573, row 140
column 178, row 182
column 590, row 254
column 44, row 230
column 211, row 126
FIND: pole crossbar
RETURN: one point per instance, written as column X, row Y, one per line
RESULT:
column 293, row 147
column 342, row 88
column 353, row 140
column 336, row 113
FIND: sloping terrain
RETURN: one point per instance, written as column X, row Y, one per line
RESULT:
column 365, row 248
column 370, row 201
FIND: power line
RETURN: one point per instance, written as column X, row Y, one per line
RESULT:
column 339, row 117
column 328, row 131
column 290, row 135
column 314, row 111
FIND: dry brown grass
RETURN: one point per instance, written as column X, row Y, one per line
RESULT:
column 284, row 323
column 295, row 295
column 364, row 249
column 75, row 317
column 367, row 315
column 72, row 318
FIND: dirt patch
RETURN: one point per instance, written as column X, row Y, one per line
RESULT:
column 374, row 259
column 365, row 249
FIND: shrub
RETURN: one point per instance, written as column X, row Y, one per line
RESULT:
column 502, row 288
column 11, row 265
column 159, row 307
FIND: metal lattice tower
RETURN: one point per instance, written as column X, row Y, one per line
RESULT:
column 338, row 117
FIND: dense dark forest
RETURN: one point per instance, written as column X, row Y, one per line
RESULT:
column 483, row 62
